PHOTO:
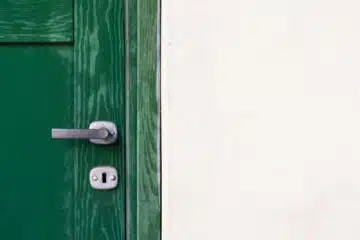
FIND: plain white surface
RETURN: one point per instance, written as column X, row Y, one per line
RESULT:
column 261, row 119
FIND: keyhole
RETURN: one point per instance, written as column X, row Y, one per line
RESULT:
column 103, row 178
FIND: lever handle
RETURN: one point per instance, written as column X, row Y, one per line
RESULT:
column 99, row 132
column 80, row 133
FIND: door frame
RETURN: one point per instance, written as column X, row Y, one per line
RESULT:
column 143, row 181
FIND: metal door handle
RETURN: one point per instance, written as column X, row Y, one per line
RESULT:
column 99, row 132
column 80, row 133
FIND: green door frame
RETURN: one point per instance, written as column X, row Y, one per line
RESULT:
column 143, row 195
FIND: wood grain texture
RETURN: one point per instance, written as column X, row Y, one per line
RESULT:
column 143, row 118
column 36, row 21
column 99, row 94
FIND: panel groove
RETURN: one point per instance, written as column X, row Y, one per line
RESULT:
column 36, row 44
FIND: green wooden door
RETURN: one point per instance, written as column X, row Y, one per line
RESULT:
column 62, row 66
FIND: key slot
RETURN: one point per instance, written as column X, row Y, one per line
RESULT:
column 104, row 177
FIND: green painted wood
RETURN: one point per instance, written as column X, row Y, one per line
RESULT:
column 143, row 118
column 34, row 97
column 99, row 78
column 36, row 20
column 99, row 94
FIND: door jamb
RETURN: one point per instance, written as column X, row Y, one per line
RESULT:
column 143, row 180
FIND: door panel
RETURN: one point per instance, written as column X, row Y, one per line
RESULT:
column 36, row 21
column 45, row 191
column 34, row 96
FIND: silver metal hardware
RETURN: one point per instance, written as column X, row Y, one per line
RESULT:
column 99, row 132
column 103, row 178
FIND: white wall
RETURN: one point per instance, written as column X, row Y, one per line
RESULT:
column 261, row 119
